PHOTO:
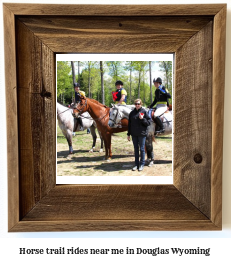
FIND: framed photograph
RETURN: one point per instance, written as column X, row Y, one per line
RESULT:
column 80, row 156
column 34, row 34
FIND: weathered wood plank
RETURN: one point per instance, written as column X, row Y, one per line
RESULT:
column 100, row 34
column 48, row 147
column 36, row 89
column 75, row 25
column 218, row 114
column 114, row 225
column 108, row 202
column 36, row 99
column 193, row 119
column 11, row 117
column 114, row 10
column 29, row 184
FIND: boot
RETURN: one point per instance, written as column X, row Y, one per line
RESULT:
column 160, row 124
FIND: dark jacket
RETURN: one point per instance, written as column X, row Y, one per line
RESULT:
column 161, row 95
column 117, row 95
column 137, row 126
column 77, row 97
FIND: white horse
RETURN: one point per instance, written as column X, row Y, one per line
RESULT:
column 119, row 112
column 68, row 124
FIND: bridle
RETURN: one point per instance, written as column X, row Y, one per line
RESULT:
column 83, row 106
column 114, row 120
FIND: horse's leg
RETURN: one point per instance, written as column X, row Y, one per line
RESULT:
column 69, row 140
column 101, row 138
column 94, row 137
column 109, row 147
column 149, row 148
column 106, row 144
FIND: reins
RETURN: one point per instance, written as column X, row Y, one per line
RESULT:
column 63, row 111
column 114, row 121
column 103, row 116
column 119, row 123
column 80, row 111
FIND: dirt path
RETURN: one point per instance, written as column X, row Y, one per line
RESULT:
column 83, row 163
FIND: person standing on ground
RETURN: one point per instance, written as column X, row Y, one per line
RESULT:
column 138, row 122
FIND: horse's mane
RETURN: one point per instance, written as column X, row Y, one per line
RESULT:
column 97, row 102
column 61, row 104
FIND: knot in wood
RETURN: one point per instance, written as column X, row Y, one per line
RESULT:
column 198, row 158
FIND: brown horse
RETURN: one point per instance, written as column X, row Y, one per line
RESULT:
column 100, row 113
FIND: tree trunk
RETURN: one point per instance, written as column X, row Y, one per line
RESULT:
column 89, row 80
column 102, row 84
column 130, row 91
column 139, row 85
column 73, row 72
column 74, row 79
column 78, row 70
column 150, row 72
column 144, row 100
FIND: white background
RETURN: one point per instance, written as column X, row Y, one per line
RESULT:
column 218, row 241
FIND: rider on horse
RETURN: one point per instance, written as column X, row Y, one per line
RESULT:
column 120, row 95
column 161, row 101
column 78, row 93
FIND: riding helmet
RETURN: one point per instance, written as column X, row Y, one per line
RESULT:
column 119, row 83
column 76, row 84
column 158, row 79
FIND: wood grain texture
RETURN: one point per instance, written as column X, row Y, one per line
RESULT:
column 36, row 105
column 113, row 207
column 194, row 201
column 108, row 202
column 115, row 10
column 114, row 225
column 193, row 118
column 100, row 34
column 218, row 114
column 12, row 120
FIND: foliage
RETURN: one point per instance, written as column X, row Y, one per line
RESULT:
column 64, row 81
column 166, row 67
column 134, row 74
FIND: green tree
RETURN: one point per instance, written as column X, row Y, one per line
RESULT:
column 91, row 82
column 102, row 81
column 115, row 70
column 150, row 76
column 87, row 81
column 140, row 67
column 166, row 67
column 64, row 81
column 130, row 66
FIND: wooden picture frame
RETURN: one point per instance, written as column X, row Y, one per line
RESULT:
column 33, row 34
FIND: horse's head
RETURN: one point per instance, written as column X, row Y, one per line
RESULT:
column 79, row 107
column 115, row 117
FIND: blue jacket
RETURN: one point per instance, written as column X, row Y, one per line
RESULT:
column 119, row 94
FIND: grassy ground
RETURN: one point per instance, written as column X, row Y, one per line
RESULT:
column 83, row 163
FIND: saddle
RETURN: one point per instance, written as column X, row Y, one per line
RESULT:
column 169, row 108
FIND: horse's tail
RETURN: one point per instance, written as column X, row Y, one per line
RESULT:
column 153, row 138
